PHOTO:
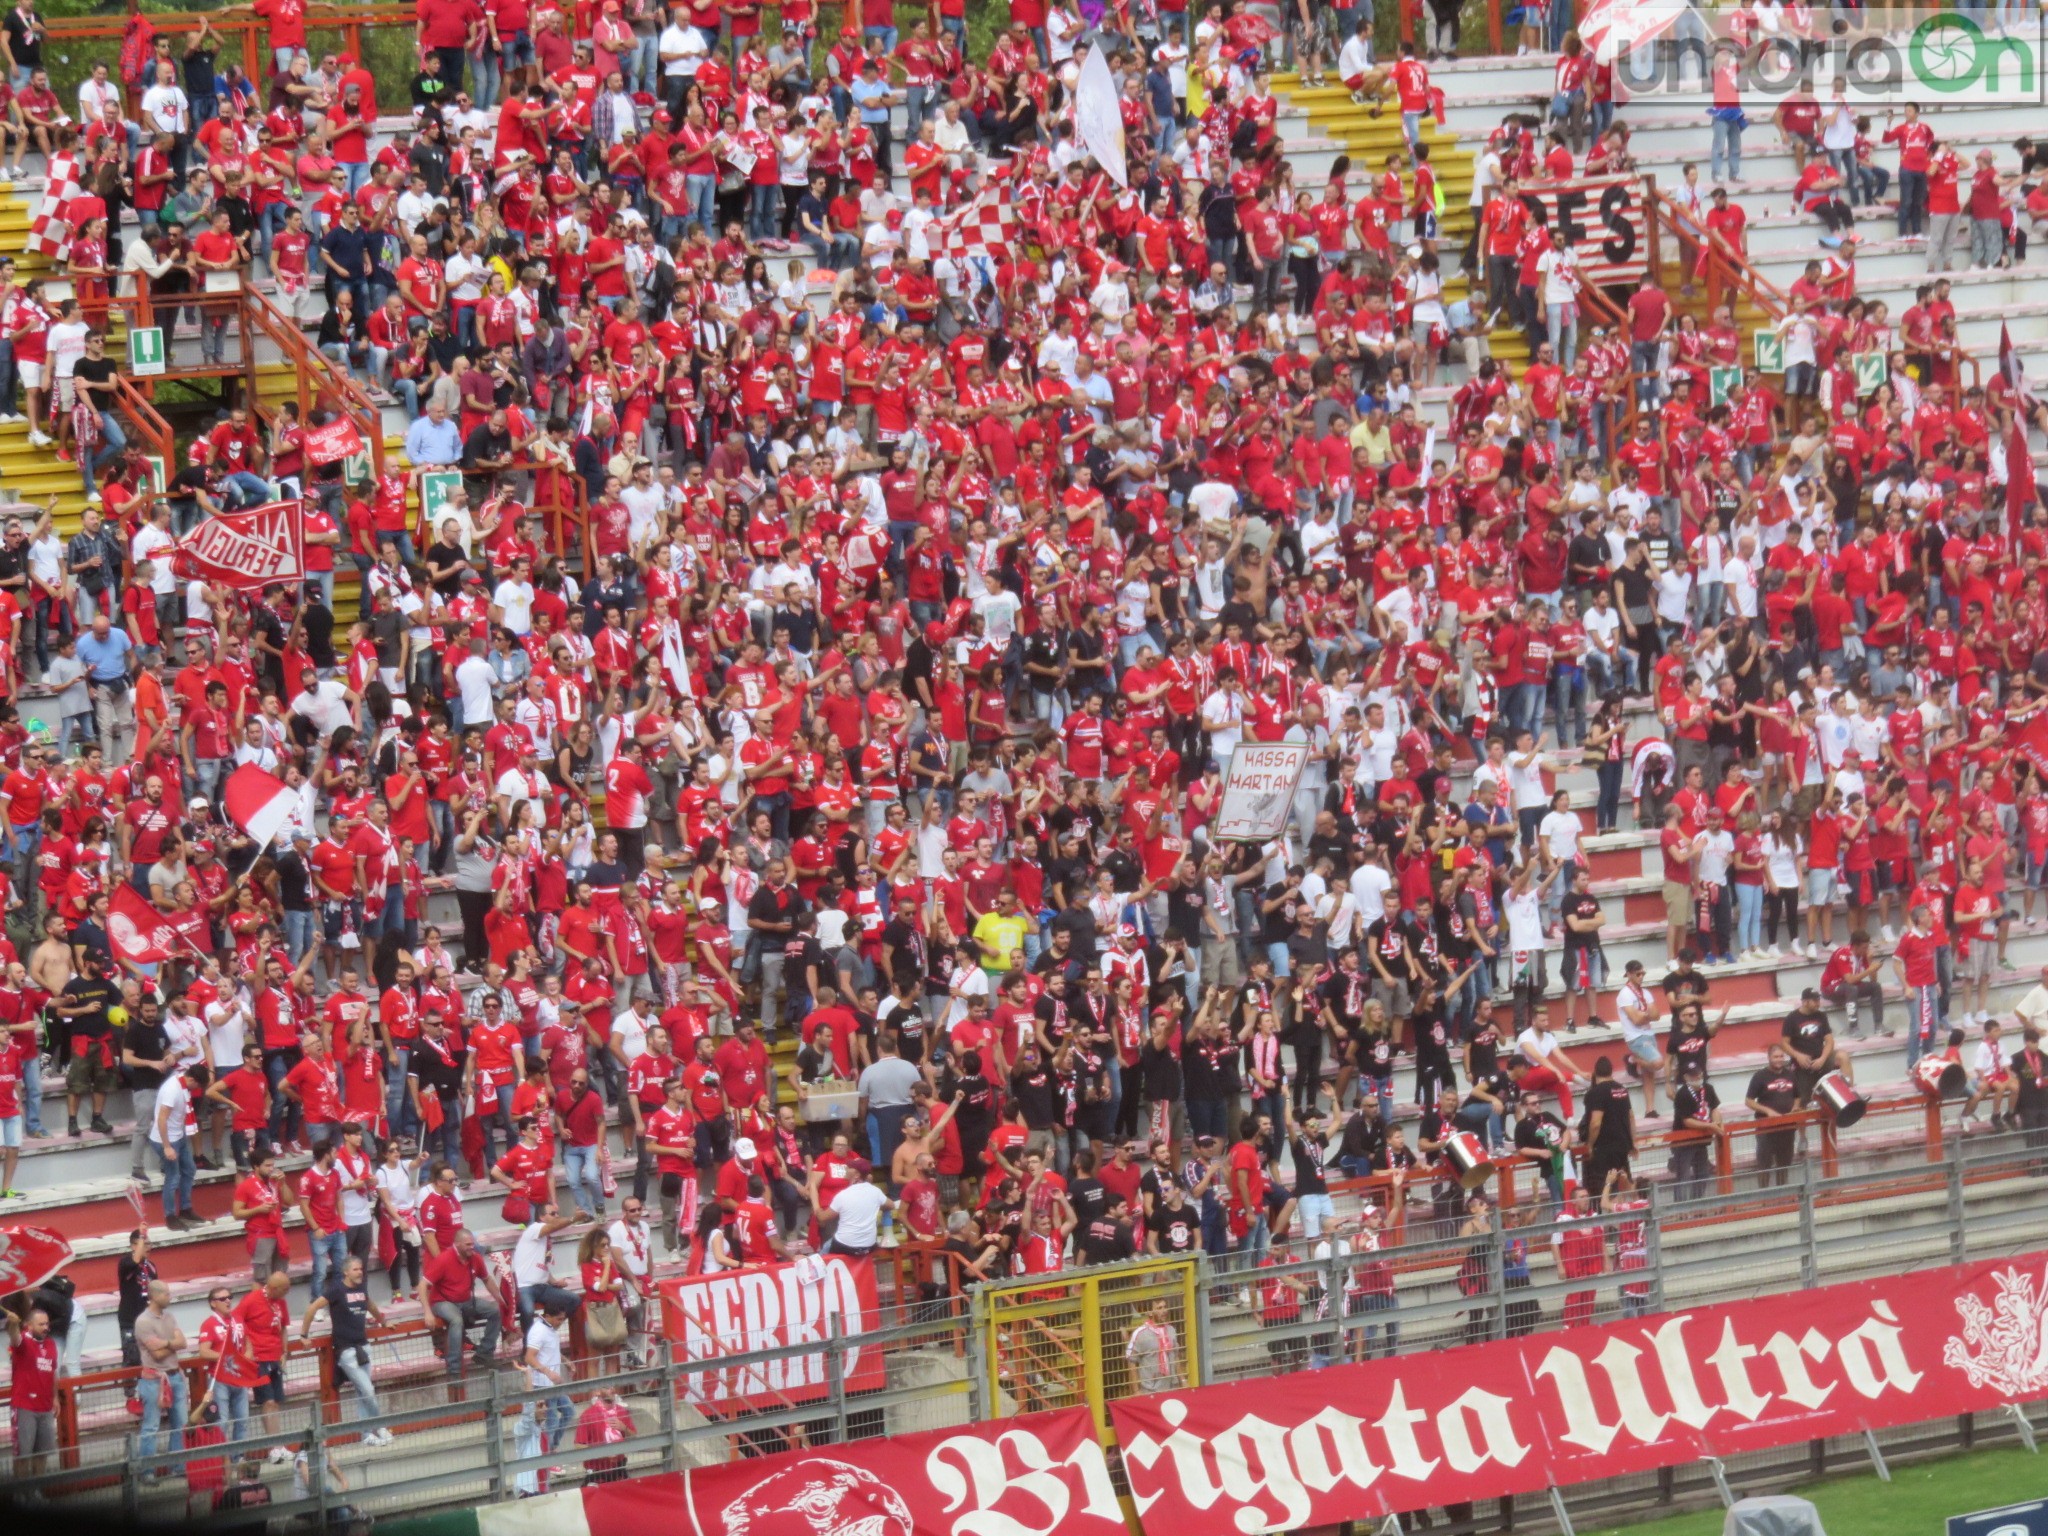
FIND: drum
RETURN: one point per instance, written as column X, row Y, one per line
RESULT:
column 1940, row 1078
column 1839, row 1096
column 1468, row 1159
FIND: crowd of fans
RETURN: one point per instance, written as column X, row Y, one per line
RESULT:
column 925, row 599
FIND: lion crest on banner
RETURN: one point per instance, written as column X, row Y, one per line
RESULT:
column 819, row 1497
column 2004, row 1344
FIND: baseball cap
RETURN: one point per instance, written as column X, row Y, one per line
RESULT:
column 744, row 1149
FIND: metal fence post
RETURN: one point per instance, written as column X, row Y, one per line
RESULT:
column 1958, row 1233
column 131, row 1481
column 494, row 1434
column 981, row 1402
column 1496, row 1272
column 316, row 1462
column 1653, row 1248
column 1203, row 1323
column 665, row 1412
column 1809, row 1240
column 835, row 1376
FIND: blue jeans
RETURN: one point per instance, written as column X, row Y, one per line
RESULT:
column 32, row 1093
column 1562, row 321
column 445, row 1141
column 329, row 1251
column 585, row 1187
column 298, row 934
column 488, row 74
column 701, row 192
column 1727, row 149
column 1923, row 1023
column 242, row 489
column 152, row 1395
column 1749, row 917
column 888, row 37
column 355, row 1365
column 234, row 1410
column 764, row 212
column 179, row 1173
column 112, row 441
column 397, row 1102
column 1380, row 1340
column 1568, row 703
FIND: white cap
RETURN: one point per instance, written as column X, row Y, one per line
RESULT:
column 744, row 1150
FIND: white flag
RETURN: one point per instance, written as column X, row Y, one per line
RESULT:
column 1098, row 118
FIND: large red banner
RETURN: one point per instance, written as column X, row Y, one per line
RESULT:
column 250, row 549
column 1358, row 1442
column 716, row 1317
column 1034, row 1476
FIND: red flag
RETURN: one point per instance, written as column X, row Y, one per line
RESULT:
column 138, row 931
column 30, row 1255
column 332, row 441
column 259, row 803
column 252, row 549
column 2019, row 474
column 2033, row 744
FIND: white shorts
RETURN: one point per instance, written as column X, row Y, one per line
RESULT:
column 31, row 374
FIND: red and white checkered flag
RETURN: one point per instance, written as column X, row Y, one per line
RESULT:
column 980, row 231
column 48, row 232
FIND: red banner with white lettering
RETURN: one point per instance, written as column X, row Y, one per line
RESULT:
column 331, row 441
column 1034, row 1476
column 1359, row 1442
column 254, row 548
column 773, row 1306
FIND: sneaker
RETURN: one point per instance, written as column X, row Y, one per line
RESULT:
column 13, row 1194
column 175, row 1224
column 100, row 1126
column 39, row 439
column 1889, row 936
column 75, row 1131
column 65, row 456
column 1774, row 953
column 378, row 1437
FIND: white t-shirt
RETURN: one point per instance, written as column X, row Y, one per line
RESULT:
column 859, row 1208
column 1369, row 886
column 1525, row 784
column 515, row 598
column 530, row 1255
column 474, row 677
column 546, row 1345
column 1716, row 850
column 167, row 1123
column 632, row 1032
column 1560, row 832
column 1525, row 919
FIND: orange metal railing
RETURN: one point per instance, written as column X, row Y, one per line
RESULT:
column 245, row 38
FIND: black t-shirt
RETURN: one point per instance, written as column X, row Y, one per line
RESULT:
column 349, row 1308
column 1089, row 1198
column 1582, row 905
column 1178, row 1231
column 1692, row 1102
column 1688, row 1044
column 99, row 374
column 1104, row 1241
column 1610, row 1099
column 26, row 48
column 100, row 994
column 1033, row 1089
column 442, row 560
column 1683, row 981
column 1309, row 1178
column 1774, row 1090
column 1542, row 1132
column 1807, row 1033
column 147, row 1042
